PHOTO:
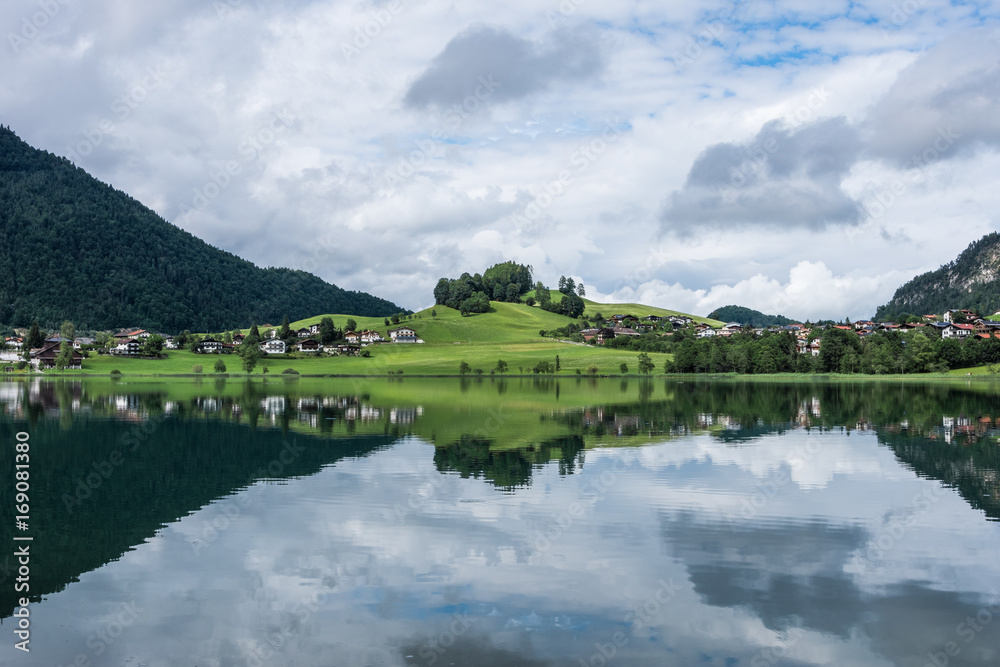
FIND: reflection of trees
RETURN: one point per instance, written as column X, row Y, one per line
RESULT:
column 507, row 469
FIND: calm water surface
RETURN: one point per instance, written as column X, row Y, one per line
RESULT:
column 514, row 522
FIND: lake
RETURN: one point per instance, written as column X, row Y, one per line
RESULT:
column 516, row 521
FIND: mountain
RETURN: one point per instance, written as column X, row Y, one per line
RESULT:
column 746, row 316
column 73, row 248
column 970, row 281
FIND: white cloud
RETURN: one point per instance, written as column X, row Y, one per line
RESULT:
column 679, row 79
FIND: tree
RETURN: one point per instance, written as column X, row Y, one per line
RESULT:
column 251, row 355
column 558, row 367
column 153, row 345
column 220, row 366
column 197, row 368
column 353, row 326
column 530, row 301
column 464, row 368
column 395, row 318
column 434, row 313
column 253, row 337
column 512, row 293
column 327, row 331
column 387, row 322
column 65, row 357
column 285, row 330
column 623, row 367
column 592, row 370
column 501, row 366
column 580, row 290
column 645, row 364
column 182, row 339
column 35, row 338
column 570, row 286
column 562, row 284
column 193, row 342
column 67, row 330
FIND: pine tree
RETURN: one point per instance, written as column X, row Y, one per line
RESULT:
column 285, row 328
column 35, row 338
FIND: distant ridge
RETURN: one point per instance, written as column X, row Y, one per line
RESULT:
column 74, row 248
column 748, row 316
column 970, row 281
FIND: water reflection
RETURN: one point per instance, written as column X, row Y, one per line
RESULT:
column 511, row 521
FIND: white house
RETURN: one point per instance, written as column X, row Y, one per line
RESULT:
column 404, row 335
column 210, row 346
column 274, row 346
column 371, row 337
column 957, row 331
column 130, row 347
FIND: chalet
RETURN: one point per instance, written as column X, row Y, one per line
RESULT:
column 351, row 337
column 138, row 333
column 368, row 337
column 303, row 333
column 274, row 346
column 814, row 347
column 46, row 356
column 950, row 315
column 129, row 348
column 273, row 333
column 588, row 333
column 170, row 343
column 347, row 350
column 604, row 334
column 930, row 318
column 210, row 346
column 78, row 343
column 733, row 326
column 701, row 326
column 404, row 335
column 238, row 338
column 625, row 331
column 863, row 324
column 957, row 330
column 14, row 343
column 680, row 320
column 314, row 329
column 652, row 318
column 309, row 346
column 622, row 319
column 707, row 332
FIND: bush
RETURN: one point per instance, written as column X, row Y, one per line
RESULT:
column 114, row 371
column 623, row 368
column 220, row 366
column 197, row 368
column 290, row 371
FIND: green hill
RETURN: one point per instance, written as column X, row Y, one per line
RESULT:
column 971, row 281
column 74, row 248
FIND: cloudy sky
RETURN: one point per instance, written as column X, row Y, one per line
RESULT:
column 796, row 157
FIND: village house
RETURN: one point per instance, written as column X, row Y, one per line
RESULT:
column 314, row 329
column 14, row 342
column 367, row 337
column 957, row 330
column 137, row 333
column 274, row 346
column 239, row 338
column 303, row 333
column 588, row 333
column 604, row 335
column 47, row 354
column 404, row 335
column 351, row 337
column 625, row 331
column 130, row 348
column 347, row 350
column 969, row 315
column 210, row 346
column 309, row 346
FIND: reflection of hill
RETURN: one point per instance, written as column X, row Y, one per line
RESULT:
column 507, row 469
column 971, row 466
column 180, row 466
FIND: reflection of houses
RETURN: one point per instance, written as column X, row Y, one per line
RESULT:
column 365, row 413
column 405, row 415
column 273, row 405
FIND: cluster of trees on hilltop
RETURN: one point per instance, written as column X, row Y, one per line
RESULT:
column 75, row 248
column 473, row 293
column 569, row 305
column 748, row 317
